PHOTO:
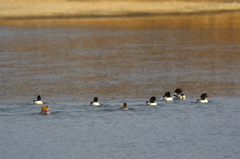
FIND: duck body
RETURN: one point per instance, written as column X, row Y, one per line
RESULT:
column 168, row 99
column 122, row 108
column 95, row 102
column 203, row 98
column 151, row 102
column 44, row 113
column 38, row 101
column 202, row 101
column 179, row 96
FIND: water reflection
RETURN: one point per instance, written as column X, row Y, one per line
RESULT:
column 119, row 58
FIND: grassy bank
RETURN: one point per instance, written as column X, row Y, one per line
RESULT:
column 75, row 8
column 20, row 12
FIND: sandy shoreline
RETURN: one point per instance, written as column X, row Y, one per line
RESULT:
column 26, row 9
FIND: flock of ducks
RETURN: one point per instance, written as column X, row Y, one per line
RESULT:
column 178, row 95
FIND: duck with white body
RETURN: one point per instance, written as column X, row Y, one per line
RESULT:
column 203, row 98
column 38, row 101
column 95, row 102
column 152, row 101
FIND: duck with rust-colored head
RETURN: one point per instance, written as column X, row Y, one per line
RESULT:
column 44, row 110
column 125, row 107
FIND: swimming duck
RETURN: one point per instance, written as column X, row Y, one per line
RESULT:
column 38, row 101
column 152, row 101
column 125, row 107
column 167, row 97
column 44, row 110
column 178, row 95
column 94, row 102
column 203, row 98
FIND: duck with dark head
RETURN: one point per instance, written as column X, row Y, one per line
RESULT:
column 178, row 95
column 167, row 97
column 152, row 101
column 95, row 102
column 38, row 101
column 203, row 98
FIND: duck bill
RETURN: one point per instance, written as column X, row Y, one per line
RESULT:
column 49, row 108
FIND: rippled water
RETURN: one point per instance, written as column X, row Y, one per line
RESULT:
column 121, row 60
column 179, row 129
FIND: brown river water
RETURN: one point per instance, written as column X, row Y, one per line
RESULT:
column 70, row 61
column 73, row 60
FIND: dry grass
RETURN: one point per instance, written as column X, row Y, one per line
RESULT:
column 159, row 0
column 194, row 21
column 55, row 9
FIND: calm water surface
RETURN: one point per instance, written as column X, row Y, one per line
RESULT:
column 179, row 129
column 121, row 60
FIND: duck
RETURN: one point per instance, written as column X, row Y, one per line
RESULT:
column 152, row 101
column 125, row 107
column 203, row 98
column 38, row 101
column 95, row 102
column 44, row 110
column 167, row 97
column 178, row 94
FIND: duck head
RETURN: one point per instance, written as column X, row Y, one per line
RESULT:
column 152, row 99
column 178, row 91
column 95, row 99
column 203, row 96
column 167, row 94
column 45, row 108
column 38, row 98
